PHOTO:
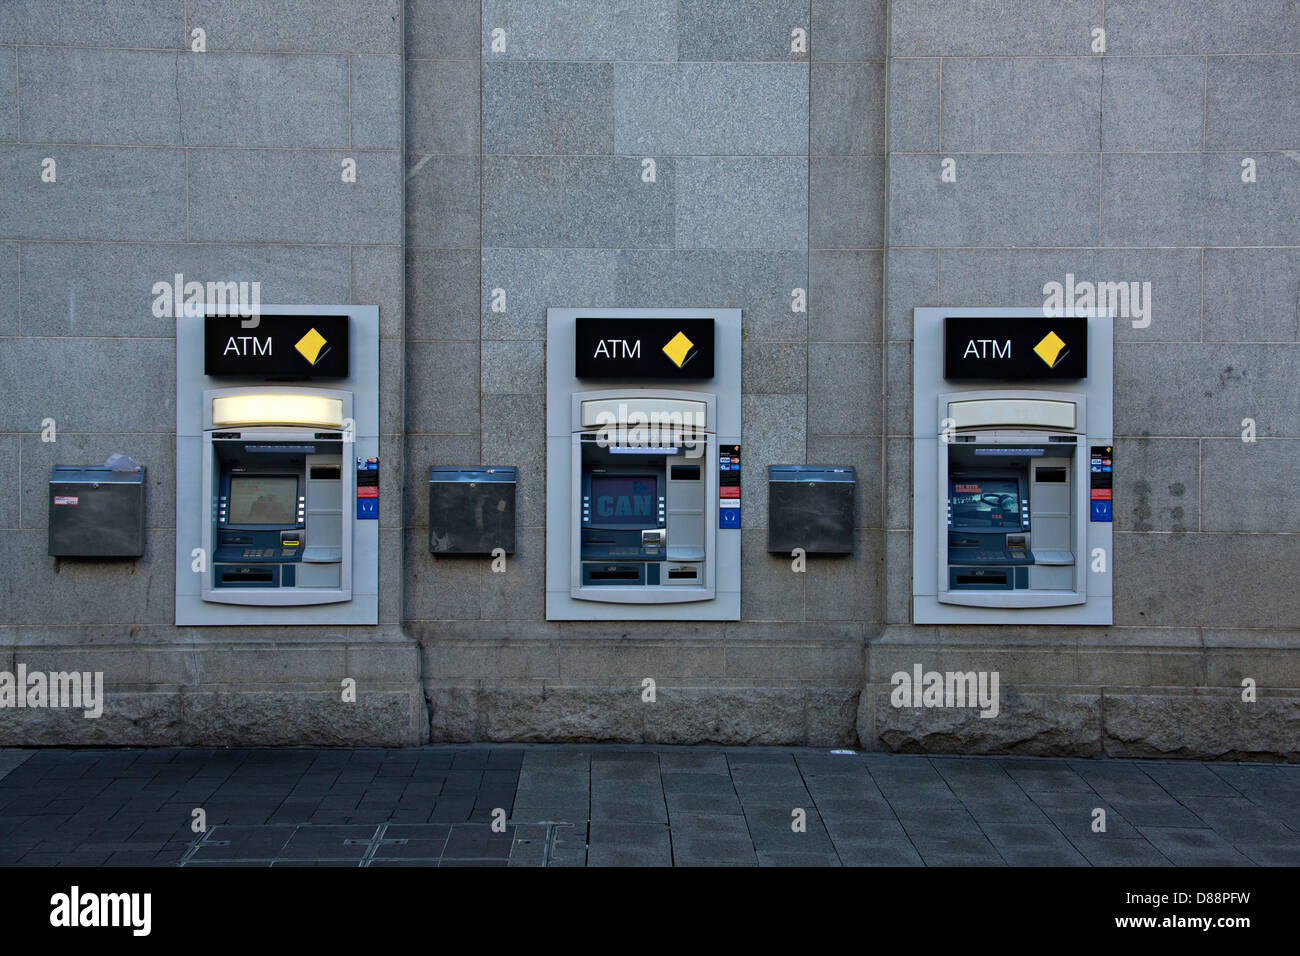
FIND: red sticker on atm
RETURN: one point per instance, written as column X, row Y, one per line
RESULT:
column 367, row 491
column 1101, row 494
column 729, row 491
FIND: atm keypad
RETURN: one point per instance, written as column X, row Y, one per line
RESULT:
column 269, row 553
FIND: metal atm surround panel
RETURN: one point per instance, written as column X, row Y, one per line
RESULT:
column 566, row 393
column 194, row 501
column 1063, row 418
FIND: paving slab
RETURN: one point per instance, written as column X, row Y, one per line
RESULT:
column 635, row 805
column 624, row 844
column 1194, row 847
column 708, row 839
column 690, row 762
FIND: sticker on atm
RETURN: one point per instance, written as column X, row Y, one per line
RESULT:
column 1101, row 494
column 66, row 499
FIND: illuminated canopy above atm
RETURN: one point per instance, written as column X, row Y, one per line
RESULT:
column 1033, row 413
column 272, row 409
column 665, row 412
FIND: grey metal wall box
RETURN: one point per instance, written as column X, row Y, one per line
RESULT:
column 811, row 507
column 96, row 512
column 472, row 510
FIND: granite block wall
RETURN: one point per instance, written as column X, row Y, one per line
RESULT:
column 129, row 156
column 761, row 179
column 503, row 150
column 1161, row 154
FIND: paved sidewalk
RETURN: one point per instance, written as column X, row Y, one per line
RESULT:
column 618, row 805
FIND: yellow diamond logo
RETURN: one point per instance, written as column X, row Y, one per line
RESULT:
column 310, row 345
column 1049, row 350
column 680, row 349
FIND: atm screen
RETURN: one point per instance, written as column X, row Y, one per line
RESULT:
column 263, row 499
column 991, row 504
column 623, row 499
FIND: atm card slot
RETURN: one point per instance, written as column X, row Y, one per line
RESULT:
column 683, row 574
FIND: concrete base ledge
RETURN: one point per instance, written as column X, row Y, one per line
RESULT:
column 226, row 695
column 379, row 718
column 587, row 713
column 1211, row 724
column 1114, row 692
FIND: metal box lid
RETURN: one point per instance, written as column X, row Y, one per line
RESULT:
column 94, row 474
column 492, row 473
column 811, row 473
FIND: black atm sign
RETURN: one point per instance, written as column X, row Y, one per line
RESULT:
column 277, row 346
column 1015, row 349
column 644, row 348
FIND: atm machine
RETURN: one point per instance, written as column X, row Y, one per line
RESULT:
column 643, row 464
column 1013, row 519
column 276, row 531
column 277, row 467
column 643, row 533
column 1012, row 483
